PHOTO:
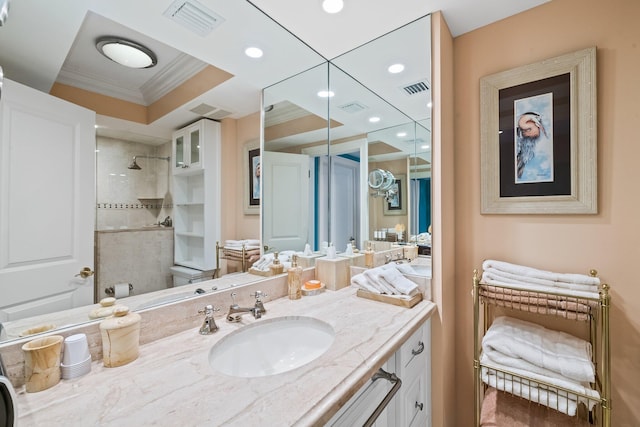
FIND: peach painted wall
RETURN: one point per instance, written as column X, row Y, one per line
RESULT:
column 248, row 130
column 607, row 241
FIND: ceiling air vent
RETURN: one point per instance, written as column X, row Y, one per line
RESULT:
column 219, row 114
column 416, row 88
column 202, row 109
column 352, row 107
column 194, row 16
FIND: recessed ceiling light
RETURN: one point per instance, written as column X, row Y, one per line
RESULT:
column 395, row 68
column 326, row 93
column 126, row 52
column 253, row 52
column 430, row 104
column 401, row 134
column 425, row 147
column 374, row 119
column 332, row 6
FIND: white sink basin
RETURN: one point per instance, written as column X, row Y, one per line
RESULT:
column 271, row 346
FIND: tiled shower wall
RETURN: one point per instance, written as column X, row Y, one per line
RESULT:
column 129, row 198
column 127, row 203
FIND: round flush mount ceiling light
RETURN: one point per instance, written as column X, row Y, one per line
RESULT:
column 126, row 52
column 332, row 6
column 253, row 52
column 396, row 68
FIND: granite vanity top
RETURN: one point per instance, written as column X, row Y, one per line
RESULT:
column 172, row 383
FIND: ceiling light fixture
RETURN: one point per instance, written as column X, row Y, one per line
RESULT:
column 374, row 119
column 395, row 68
column 126, row 52
column 332, row 6
column 326, row 94
column 253, row 52
column 401, row 134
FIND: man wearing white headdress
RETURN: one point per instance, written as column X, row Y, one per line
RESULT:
column 528, row 132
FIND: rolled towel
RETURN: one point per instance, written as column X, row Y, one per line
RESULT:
column 400, row 283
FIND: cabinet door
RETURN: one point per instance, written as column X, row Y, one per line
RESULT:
column 179, row 160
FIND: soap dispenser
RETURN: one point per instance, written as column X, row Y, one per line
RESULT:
column 276, row 267
column 368, row 256
column 294, row 279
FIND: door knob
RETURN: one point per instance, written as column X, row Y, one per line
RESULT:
column 85, row 272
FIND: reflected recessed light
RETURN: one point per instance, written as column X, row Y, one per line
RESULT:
column 401, row 134
column 326, row 93
column 126, row 52
column 374, row 119
column 253, row 52
column 395, row 68
column 332, row 6
column 425, row 147
column 430, row 104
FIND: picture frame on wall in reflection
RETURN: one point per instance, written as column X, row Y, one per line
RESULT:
column 396, row 203
column 539, row 137
column 252, row 172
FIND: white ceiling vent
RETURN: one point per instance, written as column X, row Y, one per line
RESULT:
column 417, row 87
column 194, row 16
column 353, row 107
column 219, row 114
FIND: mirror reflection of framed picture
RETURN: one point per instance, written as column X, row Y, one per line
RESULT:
column 396, row 203
column 252, row 172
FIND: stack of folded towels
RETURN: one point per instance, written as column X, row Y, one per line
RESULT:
column 232, row 249
column 266, row 260
column 387, row 279
column 500, row 273
column 545, row 355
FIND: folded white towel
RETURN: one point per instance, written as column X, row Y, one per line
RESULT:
column 403, row 268
column 504, row 276
column 374, row 276
column 530, row 272
column 533, row 287
column 531, row 347
column 400, row 283
column 361, row 282
column 536, row 392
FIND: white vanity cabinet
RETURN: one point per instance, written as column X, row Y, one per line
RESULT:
column 411, row 405
column 188, row 146
column 196, row 195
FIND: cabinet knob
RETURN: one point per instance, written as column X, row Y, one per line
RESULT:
column 419, row 350
column 419, row 405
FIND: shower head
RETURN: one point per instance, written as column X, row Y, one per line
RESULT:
column 134, row 164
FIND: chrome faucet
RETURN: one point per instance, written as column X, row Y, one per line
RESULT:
column 209, row 325
column 236, row 312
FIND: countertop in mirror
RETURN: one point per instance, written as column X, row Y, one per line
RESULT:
column 79, row 315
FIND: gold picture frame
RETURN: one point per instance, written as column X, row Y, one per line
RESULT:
column 563, row 178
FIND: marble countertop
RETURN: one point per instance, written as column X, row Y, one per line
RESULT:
column 172, row 383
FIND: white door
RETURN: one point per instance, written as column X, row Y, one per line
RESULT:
column 345, row 197
column 285, row 198
column 342, row 221
column 47, row 202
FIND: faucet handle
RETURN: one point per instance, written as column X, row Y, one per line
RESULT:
column 208, row 309
column 259, row 294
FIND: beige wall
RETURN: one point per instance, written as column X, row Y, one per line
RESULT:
column 607, row 241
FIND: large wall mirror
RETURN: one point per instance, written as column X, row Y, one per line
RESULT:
column 328, row 129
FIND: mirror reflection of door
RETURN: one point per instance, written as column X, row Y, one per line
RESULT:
column 47, row 203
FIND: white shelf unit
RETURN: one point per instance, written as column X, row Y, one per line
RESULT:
column 197, row 199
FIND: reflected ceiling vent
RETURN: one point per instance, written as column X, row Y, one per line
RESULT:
column 203, row 109
column 194, row 16
column 219, row 114
column 353, row 107
column 209, row 111
column 416, row 88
